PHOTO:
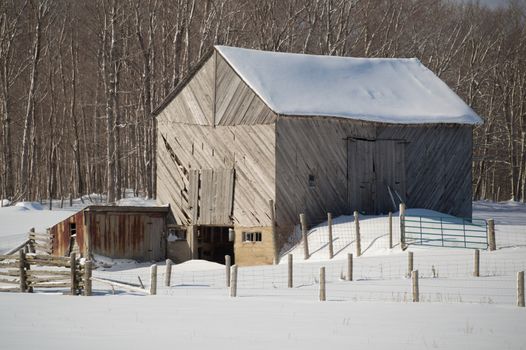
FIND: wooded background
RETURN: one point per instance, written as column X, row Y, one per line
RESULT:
column 79, row 79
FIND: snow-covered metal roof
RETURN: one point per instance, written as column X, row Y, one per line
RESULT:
column 388, row 90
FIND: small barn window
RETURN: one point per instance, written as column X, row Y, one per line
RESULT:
column 312, row 181
column 252, row 237
column 175, row 234
column 73, row 229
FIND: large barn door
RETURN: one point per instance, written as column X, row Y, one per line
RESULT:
column 376, row 175
column 361, row 175
column 211, row 196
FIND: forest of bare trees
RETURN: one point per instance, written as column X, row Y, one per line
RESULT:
column 79, row 79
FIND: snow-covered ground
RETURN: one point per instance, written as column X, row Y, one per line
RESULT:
column 374, row 311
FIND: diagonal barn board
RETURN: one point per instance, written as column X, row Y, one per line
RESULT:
column 211, row 196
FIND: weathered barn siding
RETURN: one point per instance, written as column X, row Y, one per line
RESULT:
column 437, row 166
column 61, row 237
column 187, row 151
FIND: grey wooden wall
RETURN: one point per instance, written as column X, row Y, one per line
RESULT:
column 196, row 132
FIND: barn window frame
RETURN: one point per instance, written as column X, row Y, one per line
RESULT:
column 252, row 237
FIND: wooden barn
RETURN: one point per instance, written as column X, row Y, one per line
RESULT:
column 119, row 232
column 251, row 139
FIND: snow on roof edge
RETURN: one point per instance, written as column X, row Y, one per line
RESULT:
column 471, row 118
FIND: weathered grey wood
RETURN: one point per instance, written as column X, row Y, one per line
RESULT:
column 87, row 278
column 358, row 237
column 491, row 235
column 323, row 294
column 275, row 243
column 8, row 281
column 402, row 226
column 390, row 230
column 168, row 273
column 290, row 271
column 329, row 227
column 233, row 282
column 304, row 232
column 409, row 263
column 35, row 279
column 228, row 263
column 47, row 273
column 153, row 279
column 414, row 281
column 520, row 289
column 349, row 275
column 31, row 242
column 73, row 281
column 22, row 270
column 476, row 263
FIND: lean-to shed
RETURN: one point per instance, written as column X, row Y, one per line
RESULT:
column 251, row 139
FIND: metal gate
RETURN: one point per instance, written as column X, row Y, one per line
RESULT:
column 445, row 231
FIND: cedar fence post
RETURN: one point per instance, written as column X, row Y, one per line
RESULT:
column 491, row 235
column 409, row 263
column 290, row 283
column 331, row 247
column 349, row 267
column 358, row 238
column 416, row 292
column 22, row 271
column 273, row 231
column 322, row 284
column 168, row 274
column 228, row 263
column 233, row 282
column 32, row 240
column 87, row 278
column 73, row 269
column 153, row 279
column 476, row 263
column 304, row 232
column 390, row 230
column 520, row 289
column 402, row 226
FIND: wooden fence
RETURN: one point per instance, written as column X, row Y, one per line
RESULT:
column 29, row 272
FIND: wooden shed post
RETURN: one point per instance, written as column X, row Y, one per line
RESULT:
column 390, row 230
column 491, row 235
column 153, row 279
column 22, row 270
column 228, row 263
column 168, row 274
column 87, row 278
column 322, row 284
column 73, row 269
column 416, row 292
column 290, row 270
column 233, row 282
column 402, row 226
column 329, row 224
column 275, row 243
column 358, row 238
column 304, row 232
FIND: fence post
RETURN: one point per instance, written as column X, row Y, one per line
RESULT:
column 87, row 278
column 228, row 263
column 409, row 263
column 303, row 222
column 233, row 282
column 416, row 293
column 520, row 289
column 349, row 267
column 402, row 226
column 476, row 263
column 329, row 224
column 273, row 231
column 390, row 230
column 491, row 235
column 358, row 239
column 32, row 240
column 290, row 283
column 168, row 274
column 22, row 271
column 153, row 279
column 322, row 284
column 73, row 269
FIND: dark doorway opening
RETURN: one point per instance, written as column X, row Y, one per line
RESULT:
column 214, row 244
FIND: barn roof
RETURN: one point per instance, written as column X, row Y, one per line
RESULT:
column 389, row 90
